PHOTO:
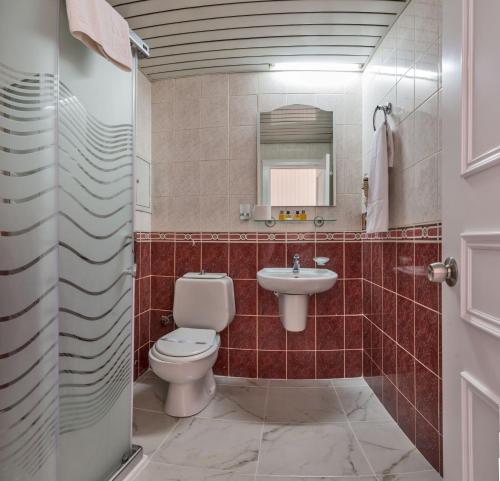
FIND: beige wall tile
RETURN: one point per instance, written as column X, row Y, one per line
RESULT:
column 216, row 85
column 162, row 91
column 186, row 112
column 272, row 83
column 405, row 95
column 243, row 84
column 404, row 143
column 214, row 111
column 412, row 51
column 426, row 129
column 214, row 143
column 426, row 201
column 214, row 177
column 214, row 213
column 159, row 176
column 301, row 99
column 163, row 146
column 162, row 117
column 243, row 143
column 186, row 145
column 268, row 102
column 243, row 177
column 427, row 74
column 176, row 213
column 243, row 110
column 335, row 103
column 214, row 118
column 183, row 178
column 187, row 88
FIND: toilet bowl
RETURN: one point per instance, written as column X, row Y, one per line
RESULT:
column 189, row 373
column 203, row 306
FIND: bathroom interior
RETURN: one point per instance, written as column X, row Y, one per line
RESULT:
column 222, row 241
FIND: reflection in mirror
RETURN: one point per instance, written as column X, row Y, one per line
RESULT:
column 296, row 161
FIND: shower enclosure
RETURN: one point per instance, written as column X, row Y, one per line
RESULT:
column 66, row 238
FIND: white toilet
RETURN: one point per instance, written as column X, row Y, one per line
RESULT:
column 203, row 306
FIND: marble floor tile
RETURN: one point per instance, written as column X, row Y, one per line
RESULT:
column 216, row 444
column 237, row 403
column 150, row 392
column 361, row 404
column 387, row 448
column 299, row 382
column 420, row 476
column 241, row 381
column 297, row 405
column 311, row 450
column 321, row 478
column 349, row 381
column 170, row 472
column 149, row 429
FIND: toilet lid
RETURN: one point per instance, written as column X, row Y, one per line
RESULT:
column 186, row 341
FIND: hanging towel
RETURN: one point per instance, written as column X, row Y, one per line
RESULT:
column 102, row 29
column 382, row 157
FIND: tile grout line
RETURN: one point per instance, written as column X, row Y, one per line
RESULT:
column 349, row 424
column 266, row 402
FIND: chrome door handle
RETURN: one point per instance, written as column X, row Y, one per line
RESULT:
column 443, row 272
column 132, row 270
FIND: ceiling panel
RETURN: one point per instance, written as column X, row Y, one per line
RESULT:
column 207, row 36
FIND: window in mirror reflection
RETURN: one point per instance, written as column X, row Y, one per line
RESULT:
column 296, row 165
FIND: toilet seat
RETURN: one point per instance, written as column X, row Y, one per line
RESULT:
column 186, row 345
column 186, row 341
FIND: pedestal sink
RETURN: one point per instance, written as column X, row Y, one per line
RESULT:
column 293, row 290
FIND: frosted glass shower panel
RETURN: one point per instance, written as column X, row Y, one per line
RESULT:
column 28, row 241
column 95, row 229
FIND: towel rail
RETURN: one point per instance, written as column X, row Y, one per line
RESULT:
column 387, row 109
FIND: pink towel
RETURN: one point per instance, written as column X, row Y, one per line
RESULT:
column 102, row 29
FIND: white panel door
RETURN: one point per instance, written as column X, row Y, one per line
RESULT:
column 471, row 228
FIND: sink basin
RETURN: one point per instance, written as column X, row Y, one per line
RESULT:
column 293, row 291
column 307, row 281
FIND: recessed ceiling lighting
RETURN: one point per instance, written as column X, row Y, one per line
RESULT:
column 321, row 66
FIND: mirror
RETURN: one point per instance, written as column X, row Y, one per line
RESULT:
column 296, row 163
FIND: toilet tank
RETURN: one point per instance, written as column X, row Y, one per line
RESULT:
column 204, row 300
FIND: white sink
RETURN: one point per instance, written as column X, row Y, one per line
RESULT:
column 293, row 290
column 306, row 281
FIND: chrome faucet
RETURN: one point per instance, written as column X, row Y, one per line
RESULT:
column 296, row 264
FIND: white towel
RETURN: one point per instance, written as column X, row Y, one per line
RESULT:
column 102, row 29
column 382, row 157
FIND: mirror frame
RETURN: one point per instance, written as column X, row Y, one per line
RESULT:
column 334, row 160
